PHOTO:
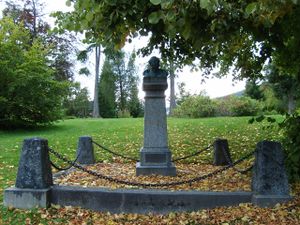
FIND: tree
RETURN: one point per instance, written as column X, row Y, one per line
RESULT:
column 28, row 12
column 134, row 104
column 107, row 91
column 77, row 104
column 97, row 78
column 183, row 93
column 172, row 89
column 168, row 65
column 253, row 90
column 284, row 86
column 122, row 80
column 270, row 102
column 61, row 46
column 225, row 32
column 83, row 56
column 29, row 95
column 119, row 83
column 118, row 69
column 238, row 34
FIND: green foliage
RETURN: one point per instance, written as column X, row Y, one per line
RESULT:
column 239, row 33
column 291, row 130
column 183, row 93
column 195, row 106
column 134, row 104
column 237, row 106
column 244, row 106
column 29, row 95
column 118, row 86
column 253, row 90
column 77, row 104
column 270, row 102
column 60, row 46
column 107, row 91
column 285, row 86
column 289, row 127
column 224, row 106
column 124, row 114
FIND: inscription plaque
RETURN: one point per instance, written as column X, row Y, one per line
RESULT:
column 155, row 158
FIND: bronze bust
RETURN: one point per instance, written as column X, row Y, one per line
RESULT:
column 154, row 70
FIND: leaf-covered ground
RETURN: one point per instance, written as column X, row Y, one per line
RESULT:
column 229, row 180
column 281, row 214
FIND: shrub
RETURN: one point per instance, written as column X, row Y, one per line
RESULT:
column 291, row 129
column 196, row 106
column 124, row 114
column 245, row 106
column 237, row 106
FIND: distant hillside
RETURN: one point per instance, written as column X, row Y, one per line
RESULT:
column 238, row 94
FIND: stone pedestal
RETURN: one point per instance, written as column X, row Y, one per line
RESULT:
column 85, row 150
column 155, row 156
column 34, row 178
column 34, row 166
column 269, row 182
column 220, row 149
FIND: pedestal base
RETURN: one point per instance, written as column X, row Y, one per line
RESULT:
column 269, row 200
column 26, row 198
column 157, row 170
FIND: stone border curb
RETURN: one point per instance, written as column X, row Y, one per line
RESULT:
column 144, row 201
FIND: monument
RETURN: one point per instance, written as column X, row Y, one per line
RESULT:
column 155, row 156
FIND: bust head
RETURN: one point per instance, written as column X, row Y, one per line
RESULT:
column 154, row 63
column 153, row 69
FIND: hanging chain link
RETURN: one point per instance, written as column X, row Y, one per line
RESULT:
column 193, row 154
column 229, row 161
column 66, row 168
column 137, row 184
column 136, row 160
column 114, row 153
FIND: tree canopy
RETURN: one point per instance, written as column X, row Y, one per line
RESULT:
column 30, row 14
column 239, row 33
column 29, row 94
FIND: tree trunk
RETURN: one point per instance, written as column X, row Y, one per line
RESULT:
column 34, row 19
column 97, row 78
column 291, row 103
column 172, row 90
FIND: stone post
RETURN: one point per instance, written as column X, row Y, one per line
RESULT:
column 269, row 182
column 85, row 150
column 221, row 146
column 155, row 156
column 34, row 178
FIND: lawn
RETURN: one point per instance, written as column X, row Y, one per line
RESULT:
column 124, row 136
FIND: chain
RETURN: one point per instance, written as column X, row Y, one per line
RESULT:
column 59, row 168
column 193, row 154
column 136, row 160
column 168, row 184
column 229, row 161
column 66, row 168
column 114, row 153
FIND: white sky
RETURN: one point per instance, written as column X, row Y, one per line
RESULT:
column 214, row 87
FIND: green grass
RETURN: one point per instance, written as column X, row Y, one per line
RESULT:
column 126, row 136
